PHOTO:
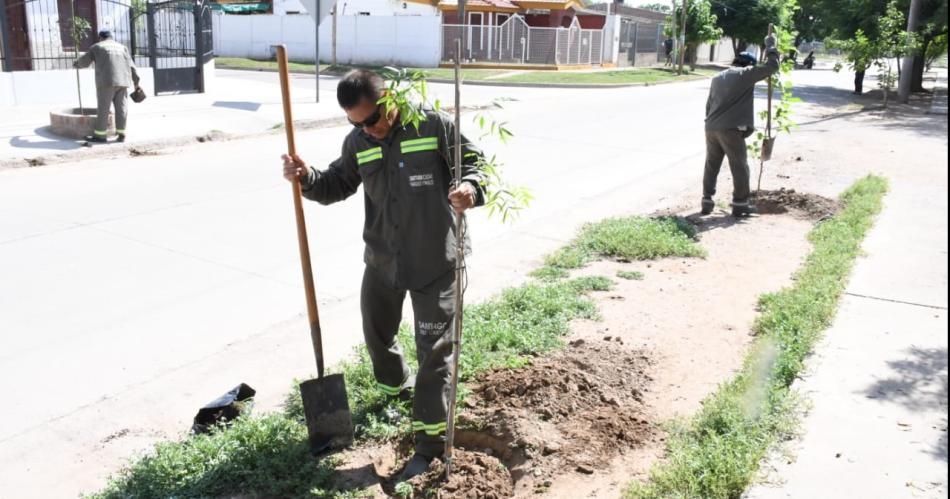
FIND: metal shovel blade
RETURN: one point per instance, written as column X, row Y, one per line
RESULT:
column 329, row 423
column 767, row 145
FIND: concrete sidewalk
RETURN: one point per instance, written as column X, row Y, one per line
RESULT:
column 877, row 385
column 234, row 104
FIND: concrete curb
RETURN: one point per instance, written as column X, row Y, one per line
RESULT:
column 154, row 147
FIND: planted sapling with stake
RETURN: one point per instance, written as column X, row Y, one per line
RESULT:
column 407, row 92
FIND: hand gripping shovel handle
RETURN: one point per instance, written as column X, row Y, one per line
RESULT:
column 312, row 312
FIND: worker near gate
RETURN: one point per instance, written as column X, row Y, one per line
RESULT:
column 668, row 48
column 115, row 73
column 411, row 202
column 730, row 119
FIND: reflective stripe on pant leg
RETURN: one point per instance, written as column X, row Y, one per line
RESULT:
column 433, row 429
column 433, row 308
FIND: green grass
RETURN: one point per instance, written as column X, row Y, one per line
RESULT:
column 299, row 67
column 620, row 76
column 634, row 275
column 270, row 65
column 626, row 238
column 624, row 76
column 267, row 456
column 258, row 456
column 717, row 453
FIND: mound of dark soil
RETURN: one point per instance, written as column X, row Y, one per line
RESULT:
column 803, row 205
column 573, row 411
column 475, row 475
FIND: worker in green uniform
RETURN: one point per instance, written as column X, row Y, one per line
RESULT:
column 411, row 201
column 730, row 118
column 115, row 73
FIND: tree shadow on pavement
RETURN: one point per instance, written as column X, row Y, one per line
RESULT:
column 52, row 141
column 919, row 383
column 868, row 107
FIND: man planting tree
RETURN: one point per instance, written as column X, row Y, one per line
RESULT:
column 730, row 119
column 411, row 201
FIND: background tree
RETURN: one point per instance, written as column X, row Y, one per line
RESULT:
column 808, row 21
column 658, row 7
column 747, row 21
column 700, row 26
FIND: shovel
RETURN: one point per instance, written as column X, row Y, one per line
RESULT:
column 327, row 409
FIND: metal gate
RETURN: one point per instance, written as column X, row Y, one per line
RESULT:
column 179, row 43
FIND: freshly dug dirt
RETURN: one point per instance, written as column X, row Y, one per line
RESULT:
column 802, row 205
column 475, row 475
column 571, row 412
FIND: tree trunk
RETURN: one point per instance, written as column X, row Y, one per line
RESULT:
column 917, row 79
column 917, row 75
column 859, row 82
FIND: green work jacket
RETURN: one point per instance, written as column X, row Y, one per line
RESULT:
column 410, row 225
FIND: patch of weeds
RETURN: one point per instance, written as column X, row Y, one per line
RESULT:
column 592, row 283
column 630, row 275
column 547, row 273
column 403, row 489
column 640, row 238
column 265, row 456
column 571, row 256
column 522, row 321
column 717, row 452
column 629, row 238
column 277, row 126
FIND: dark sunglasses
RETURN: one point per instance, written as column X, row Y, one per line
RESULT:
column 368, row 122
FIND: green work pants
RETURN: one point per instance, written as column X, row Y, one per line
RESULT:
column 433, row 307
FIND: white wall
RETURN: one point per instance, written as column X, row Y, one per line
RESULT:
column 611, row 43
column 57, row 87
column 355, row 7
column 723, row 51
column 372, row 40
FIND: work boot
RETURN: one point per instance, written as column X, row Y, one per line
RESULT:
column 744, row 210
column 708, row 206
column 405, row 392
column 95, row 139
column 416, row 466
column 120, row 138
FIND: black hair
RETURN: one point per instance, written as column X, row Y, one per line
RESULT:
column 357, row 85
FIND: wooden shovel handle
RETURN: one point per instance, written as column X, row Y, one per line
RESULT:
column 312, row 312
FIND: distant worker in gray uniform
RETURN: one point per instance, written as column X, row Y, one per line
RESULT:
column 730, row 118
column 115, row 73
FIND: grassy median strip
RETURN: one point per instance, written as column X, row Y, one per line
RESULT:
column 623, row 238
column 267, row 456
column 717, row 453
column 616, row 77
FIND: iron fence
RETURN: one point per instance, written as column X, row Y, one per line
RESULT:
column 641, row 44
column 38, row 34
column 515, row 42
